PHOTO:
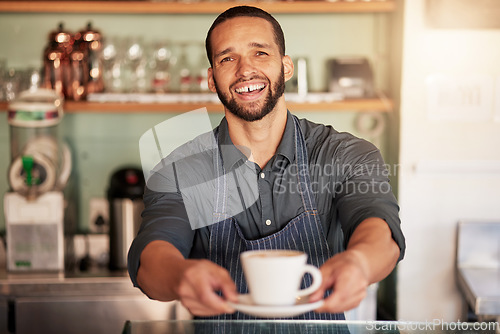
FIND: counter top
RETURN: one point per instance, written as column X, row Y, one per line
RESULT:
column 64, row 303
column 305, row 326
column 478, row 266
column 481, row 287
column 77, row 283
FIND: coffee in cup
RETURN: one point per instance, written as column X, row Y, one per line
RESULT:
column 274, row 276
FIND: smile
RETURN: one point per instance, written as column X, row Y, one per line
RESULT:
column 250, row 88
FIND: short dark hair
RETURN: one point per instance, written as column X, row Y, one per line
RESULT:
column 246, row 11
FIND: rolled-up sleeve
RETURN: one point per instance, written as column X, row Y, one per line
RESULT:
column 164, row 218
column 363, row 190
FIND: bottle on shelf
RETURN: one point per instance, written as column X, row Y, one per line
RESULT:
column 184, row 70
column 115, row 71
column 200, row 75
column 161, row 67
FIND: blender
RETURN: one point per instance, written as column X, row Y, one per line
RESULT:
column 39, row 170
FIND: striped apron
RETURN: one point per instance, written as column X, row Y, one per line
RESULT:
column 303, row 233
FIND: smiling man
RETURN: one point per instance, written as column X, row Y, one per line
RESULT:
column 317, row 190
column 251, row 95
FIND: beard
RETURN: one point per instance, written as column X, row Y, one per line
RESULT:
column 252, row 111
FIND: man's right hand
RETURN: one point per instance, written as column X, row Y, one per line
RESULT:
column 164, row 274
column 198, row 285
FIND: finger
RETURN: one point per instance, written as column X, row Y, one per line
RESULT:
column 206, row 303
column 327, row 283
column 220, row 280
column 230, row 293
column 201, row 309
column 341, row 302
column 317, row 295
column 227, row 286
column 200, row 298
column 198, row 289
column 209, row 297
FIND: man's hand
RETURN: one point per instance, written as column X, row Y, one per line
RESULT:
column 370, row 256
column 198, row 285
column 164, row 274
column 344, row 273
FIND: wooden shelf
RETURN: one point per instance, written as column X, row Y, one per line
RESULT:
column 364, row 105
column 203, row 7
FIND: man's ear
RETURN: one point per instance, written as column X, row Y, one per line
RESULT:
column 288, row 67
column 211, row 81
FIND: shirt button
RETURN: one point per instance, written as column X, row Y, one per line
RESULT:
column 268, row 222
column 262, row 175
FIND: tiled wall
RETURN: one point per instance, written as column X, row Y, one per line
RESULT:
column 101, row 143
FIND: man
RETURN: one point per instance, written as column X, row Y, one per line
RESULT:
column 324, row 188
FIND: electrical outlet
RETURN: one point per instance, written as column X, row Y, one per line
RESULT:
column 94, row 245
column 98, row 208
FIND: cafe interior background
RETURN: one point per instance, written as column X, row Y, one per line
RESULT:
column 437, row 119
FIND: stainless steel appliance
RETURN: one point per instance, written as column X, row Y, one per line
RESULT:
column 125, row 192
column 478, row 268
column 352, row 77
column 39, row 170
column 80, row 304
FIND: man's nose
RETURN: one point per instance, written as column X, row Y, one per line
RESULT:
column 245, row 67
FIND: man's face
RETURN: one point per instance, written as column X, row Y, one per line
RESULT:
column 248, row 71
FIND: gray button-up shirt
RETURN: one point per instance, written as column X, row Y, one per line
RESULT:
column 348, row 177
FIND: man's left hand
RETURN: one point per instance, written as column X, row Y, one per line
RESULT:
column 370, row 256
column 346, row 275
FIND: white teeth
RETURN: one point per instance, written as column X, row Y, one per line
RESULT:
column 249, row 88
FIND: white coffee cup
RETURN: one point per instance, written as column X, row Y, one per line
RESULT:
column 274, row 276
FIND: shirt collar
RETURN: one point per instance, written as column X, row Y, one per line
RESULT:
column 231, row 155
column 286, row 148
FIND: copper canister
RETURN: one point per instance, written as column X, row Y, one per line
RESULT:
column 90, row 41
column 56, row 61
column 77, row 90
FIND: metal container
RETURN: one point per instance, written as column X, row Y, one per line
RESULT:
column 125, row 207
column 77, row 89
column 352, row 77
column 56, row 61
column 89, row 41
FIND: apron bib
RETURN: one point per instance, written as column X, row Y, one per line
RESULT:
column 303, row 233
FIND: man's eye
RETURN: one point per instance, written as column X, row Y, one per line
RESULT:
column 223, row 60
column 261, row 53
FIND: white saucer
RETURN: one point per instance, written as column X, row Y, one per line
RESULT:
column 302, row 305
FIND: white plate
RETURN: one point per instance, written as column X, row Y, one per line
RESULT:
column 246, row 305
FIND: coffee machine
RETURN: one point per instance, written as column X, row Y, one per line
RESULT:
column 39, row 170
